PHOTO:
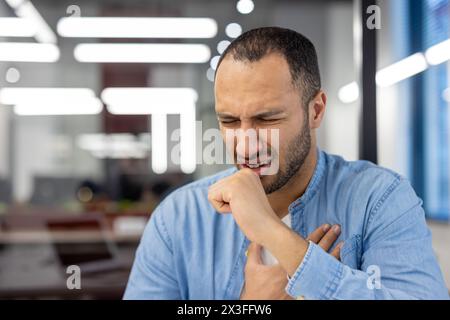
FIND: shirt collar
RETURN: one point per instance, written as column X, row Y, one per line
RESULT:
column 313, row 184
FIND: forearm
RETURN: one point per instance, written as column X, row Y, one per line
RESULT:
column 287, row 246
column 321, row 276
column 314, row 273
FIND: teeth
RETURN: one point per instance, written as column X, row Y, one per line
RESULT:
column 257, row 165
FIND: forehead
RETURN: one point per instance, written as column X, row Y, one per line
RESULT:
column 247, row 87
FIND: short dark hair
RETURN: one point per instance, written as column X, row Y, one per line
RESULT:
column 298, row 51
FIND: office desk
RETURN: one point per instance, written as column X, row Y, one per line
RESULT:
column 29, row 271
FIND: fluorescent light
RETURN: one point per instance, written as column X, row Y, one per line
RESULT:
column 159, row 148
column 117, row 146
column 149, row 101
column 401, row 70
column 30, row 95
column 245, row 6
column 51, row 101
column 43, row 32
column 438, row 53
column 42, row 108
column 159, row 102
column 14, row 3
column 214, row 62
column 188, row 161
column 142, row 53
column 12, row 75
column 222, row 46
column 233, row 30
column 16, row 27
column 145, row 100
column 210, row 74
column 349, row 93
column 28, row 52
column 26, row 10
column 122, row 27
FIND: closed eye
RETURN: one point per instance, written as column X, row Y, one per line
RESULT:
column 269, row 121
column 228, row 121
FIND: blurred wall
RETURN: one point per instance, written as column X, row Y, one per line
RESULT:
column 46, row 145
column 4, row 118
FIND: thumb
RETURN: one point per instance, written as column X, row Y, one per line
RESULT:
column 254, row 253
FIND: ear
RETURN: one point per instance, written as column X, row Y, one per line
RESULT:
column 317, row 109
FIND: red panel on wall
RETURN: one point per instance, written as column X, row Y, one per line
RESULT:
column 124, row 75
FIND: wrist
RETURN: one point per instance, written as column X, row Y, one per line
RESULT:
column 273, row 230
column 286, row 246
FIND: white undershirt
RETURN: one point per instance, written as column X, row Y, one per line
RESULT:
column 266, row 257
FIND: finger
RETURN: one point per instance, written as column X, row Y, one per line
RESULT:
column 317, row 234
column 330, row 237
column 216, row 200
column 218, row 184
column 278, row 268
column 254, row 253
column 221, row 182
column 220, row 206
column 337, row 251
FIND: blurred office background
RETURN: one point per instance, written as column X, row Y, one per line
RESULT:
column 78, row 173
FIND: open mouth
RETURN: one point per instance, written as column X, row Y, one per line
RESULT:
column 256, row 167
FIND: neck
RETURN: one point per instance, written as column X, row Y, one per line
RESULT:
column 296, row 186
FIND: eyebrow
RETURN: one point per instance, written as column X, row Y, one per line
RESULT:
column 264, row 114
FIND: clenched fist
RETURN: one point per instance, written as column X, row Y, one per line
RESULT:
column 242, row 195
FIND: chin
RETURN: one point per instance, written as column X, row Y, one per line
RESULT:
column 267, row 181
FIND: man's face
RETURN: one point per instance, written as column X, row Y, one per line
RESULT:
column 261, row 95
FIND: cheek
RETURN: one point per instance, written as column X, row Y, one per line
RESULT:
column 287, row 138
column 284, row 142
column 229, row 141
column 278, row 142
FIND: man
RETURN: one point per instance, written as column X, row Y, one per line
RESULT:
column 334, row 229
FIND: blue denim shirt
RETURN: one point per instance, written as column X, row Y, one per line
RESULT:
column 188, row 251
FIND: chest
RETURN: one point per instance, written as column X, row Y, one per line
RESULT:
column 216, row 270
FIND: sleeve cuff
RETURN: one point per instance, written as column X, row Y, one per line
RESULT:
column 318, row 275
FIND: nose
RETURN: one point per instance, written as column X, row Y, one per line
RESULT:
column 249, row 145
